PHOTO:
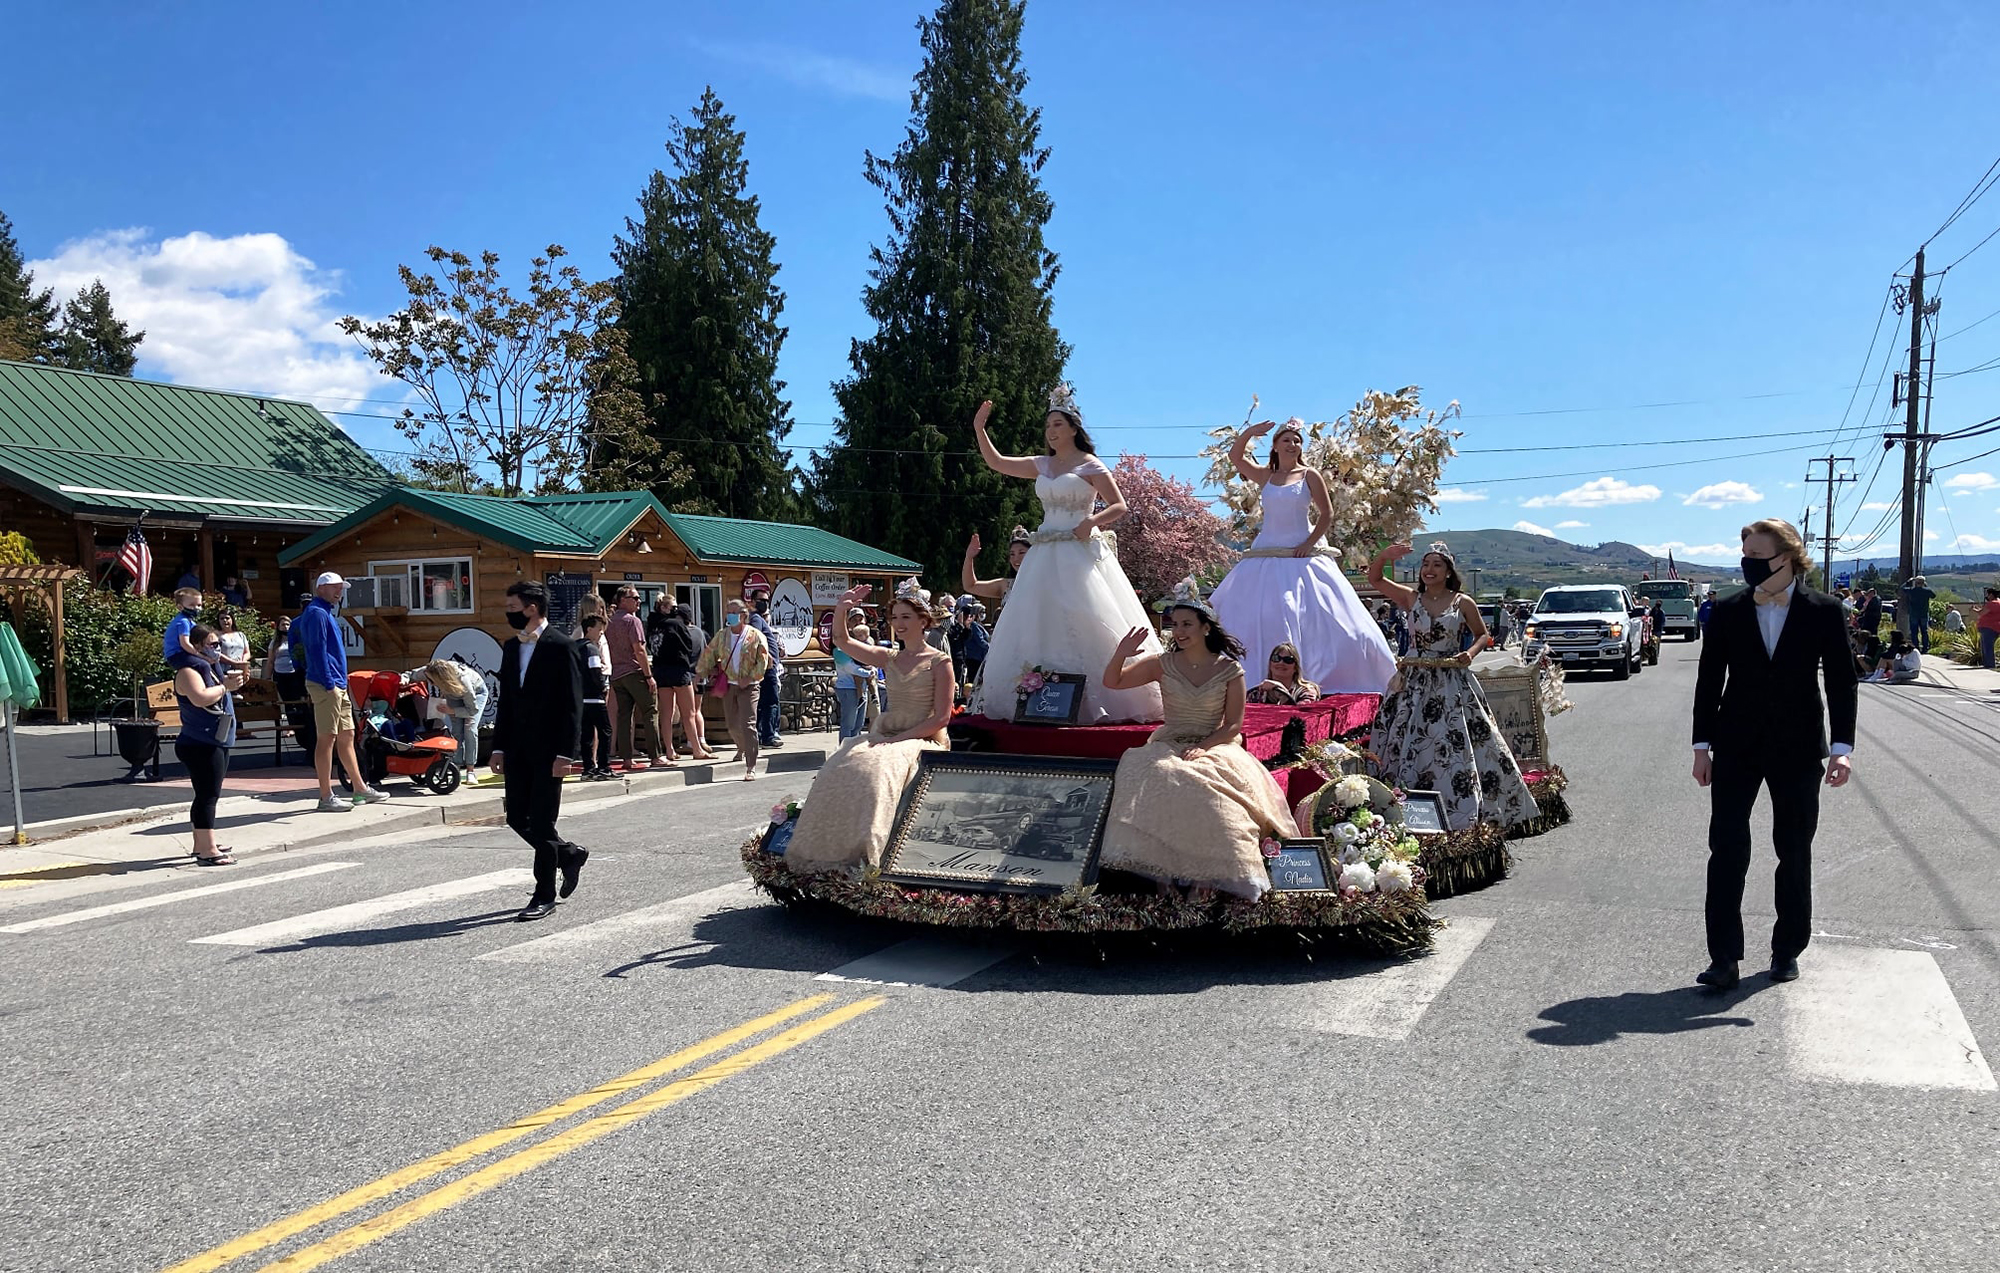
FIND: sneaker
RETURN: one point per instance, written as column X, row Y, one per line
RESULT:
column 368, row 795
column 334, row 804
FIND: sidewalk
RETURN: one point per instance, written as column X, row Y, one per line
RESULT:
column 1957, row 676
column 140, row 839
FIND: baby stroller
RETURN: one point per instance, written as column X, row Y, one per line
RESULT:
column 396, row 736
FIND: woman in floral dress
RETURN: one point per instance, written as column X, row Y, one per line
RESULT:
column 1435, row 731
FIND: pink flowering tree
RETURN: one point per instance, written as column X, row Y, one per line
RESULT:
column 1169, row 533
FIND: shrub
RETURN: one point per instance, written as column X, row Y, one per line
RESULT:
column 98, row 625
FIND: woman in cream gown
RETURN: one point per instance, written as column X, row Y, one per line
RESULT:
column 1192, row 806
column 852, row 805
column 1071, row 599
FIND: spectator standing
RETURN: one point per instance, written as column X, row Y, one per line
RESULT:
column 632, row 682
column 1917, row 598
column 1871, row 611
column 235, row 646
column 234, row 591
column 1701, row 615
column 536, row 734
column 738, row 658
column 673, row 672
column 208, row 731
column 769, row 711
column 1503, row 625
column 189, row 580
column 596, row 688
column 1989, row 626
column 853, row 681
column 460, row 693
column 284, row 672
column 969, row 640
column 325, row 666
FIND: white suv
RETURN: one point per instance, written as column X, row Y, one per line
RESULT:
column 1587, row 625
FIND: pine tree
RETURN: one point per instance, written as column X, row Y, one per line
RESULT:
column 27, row 317
column 96, row 339
column 962, row 297
column 699, row 306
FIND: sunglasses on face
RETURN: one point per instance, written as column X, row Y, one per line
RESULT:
column 1283, row 658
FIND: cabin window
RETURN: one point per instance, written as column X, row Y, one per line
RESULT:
column 437, row 585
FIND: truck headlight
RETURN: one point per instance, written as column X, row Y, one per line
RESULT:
column 1617, row 632
column 1528, row 633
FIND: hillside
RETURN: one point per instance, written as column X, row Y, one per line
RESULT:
column 1512, row 558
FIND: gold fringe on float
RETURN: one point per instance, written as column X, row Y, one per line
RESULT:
column 1554, row 810
column 1460, row 861
column 1390, row 923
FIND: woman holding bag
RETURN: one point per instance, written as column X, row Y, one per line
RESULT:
column 738, row 658
column 208, row 731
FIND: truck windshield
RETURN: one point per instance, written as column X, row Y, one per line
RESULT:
column 1666, row 589
column 1579, row 603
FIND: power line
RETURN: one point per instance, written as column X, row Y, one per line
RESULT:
column 1969, row 326
column 1969, row 251
column 1979, row 189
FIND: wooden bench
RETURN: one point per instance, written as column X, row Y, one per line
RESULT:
column 260, row 713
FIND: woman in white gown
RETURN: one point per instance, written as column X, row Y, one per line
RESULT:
column 1071, row 603
column 1288, row 587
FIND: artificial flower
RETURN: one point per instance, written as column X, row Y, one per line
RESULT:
column 1393, row 877
column 1351, row 791
column 1349, row 854
column 1362, row 818
column 1359, row 877
column 1346, row 832
column 1272, row 847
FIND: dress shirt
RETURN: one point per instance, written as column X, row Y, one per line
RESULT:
column 1771, row 626
column 529, row 635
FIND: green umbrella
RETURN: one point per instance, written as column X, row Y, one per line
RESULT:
column 19, row 684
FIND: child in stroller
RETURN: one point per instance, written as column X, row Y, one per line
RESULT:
column 396, row 737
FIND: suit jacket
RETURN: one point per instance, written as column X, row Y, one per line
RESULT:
column 1747, row 702
column 541, row 718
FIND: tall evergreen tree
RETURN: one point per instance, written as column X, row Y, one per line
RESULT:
column 961, row 294
column 96, row 339
column 699, row 306
column 27, row 317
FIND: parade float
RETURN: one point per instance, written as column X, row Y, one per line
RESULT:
column 1002, row 831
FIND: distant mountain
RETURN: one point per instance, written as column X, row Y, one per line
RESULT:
column 1517, row 559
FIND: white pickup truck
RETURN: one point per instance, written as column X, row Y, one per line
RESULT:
column 1587, row 625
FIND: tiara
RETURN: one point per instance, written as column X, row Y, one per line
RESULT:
column 1020, row 536
column 1062, row 398
column 1187, row 596
column 1293, row 425
column 1442, row 549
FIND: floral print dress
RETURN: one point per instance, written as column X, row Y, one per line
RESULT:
column 1437, row 734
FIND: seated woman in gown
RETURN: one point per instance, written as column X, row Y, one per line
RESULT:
column 1282, row 685
column 852, row 804
column 1192, row 806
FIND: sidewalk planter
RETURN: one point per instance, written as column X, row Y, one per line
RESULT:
column 138, row 745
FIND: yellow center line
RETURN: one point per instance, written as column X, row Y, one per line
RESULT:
column 494, row 1175
column 360, row 1196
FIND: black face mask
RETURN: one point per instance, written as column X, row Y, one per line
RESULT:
column 193, row 613
column 1756, row 570
column 517, row 619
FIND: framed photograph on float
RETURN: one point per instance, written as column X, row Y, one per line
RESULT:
column 1301, row 867
column 1055, row 702
column 1514, row 695
column 1423, row 812
column 1000, row 823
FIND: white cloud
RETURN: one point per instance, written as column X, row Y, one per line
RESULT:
column 1973, row 544
column 1930, row 535
column 1529, row 528
column 1723, row 494
column 1972, row 482
column 1571, row 525
column 842, row 76
column 1711, row 554
column 1790, row 486
column 1875, row 506
column 1458, row 495
column 244, row 312
column 1599, row 492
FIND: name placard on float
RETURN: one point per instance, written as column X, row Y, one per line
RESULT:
column 1423, row 812
column 1300, row 867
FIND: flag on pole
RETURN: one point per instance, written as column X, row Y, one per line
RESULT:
column 1673, row 571
column 136, row 559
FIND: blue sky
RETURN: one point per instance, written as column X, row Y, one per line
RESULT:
column 1552, row 208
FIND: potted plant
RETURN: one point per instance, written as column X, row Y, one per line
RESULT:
column 138, row 656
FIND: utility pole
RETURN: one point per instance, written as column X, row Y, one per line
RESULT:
column 1912, row 390
column 1833, row 479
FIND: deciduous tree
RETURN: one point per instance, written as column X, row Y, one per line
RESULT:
column 1169, row 532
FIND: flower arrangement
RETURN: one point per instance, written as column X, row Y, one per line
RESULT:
column 1367, row 837
column 1384, row 459
column 785, row 810
column 1032, row 680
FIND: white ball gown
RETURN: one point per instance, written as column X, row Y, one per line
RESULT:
column 1069, row 607
column 1268, row 600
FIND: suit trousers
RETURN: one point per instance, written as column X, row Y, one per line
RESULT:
column 638, row 717
column 739, row 709
column 1794, row 818
column 534, row 799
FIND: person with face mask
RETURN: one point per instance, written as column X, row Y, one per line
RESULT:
column 768, row 707
column 1759, row 722
column 208, row 730
column 737, row 659
column 175, row 643
column 537, row 735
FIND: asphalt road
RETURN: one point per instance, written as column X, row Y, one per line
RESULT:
column 1545, row 1092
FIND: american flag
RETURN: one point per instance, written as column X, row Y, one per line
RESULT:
column 136, row 559
column 1673, row 571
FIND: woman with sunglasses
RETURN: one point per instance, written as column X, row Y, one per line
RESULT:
column 208, row 731
column 1282, row 685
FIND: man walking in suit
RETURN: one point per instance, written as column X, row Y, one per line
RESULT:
column 1759, row 722
column 536, row 734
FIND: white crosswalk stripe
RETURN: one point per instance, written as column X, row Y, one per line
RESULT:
column 1885, row 1017
column 336, row 919
column 663, row 923
column 1389, row 1003
column 166, row 899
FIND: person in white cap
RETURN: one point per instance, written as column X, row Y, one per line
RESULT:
column 318, row 652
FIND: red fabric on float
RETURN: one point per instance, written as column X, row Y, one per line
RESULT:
column 1263, row 730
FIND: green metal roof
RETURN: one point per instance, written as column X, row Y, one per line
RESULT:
column 590, row 524
column 86, row 442
column 778, row 544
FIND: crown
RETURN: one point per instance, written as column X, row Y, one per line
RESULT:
column 1442, row 549
column 1062, row 398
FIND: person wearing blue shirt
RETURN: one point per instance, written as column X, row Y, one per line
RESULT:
column 768, row 710
column 317, row 651
column 175, row 644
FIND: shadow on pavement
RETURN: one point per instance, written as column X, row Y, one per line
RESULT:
column 400, row 933
column 1603, row 1018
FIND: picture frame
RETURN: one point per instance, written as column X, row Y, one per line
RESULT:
column 1057, row 703
column 778, row 836
column 1514, row 697
column 987, row 822
column 1423, row 813
column 1302, row 866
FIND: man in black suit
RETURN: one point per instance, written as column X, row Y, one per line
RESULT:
column 1759, row 722
column 537, row 730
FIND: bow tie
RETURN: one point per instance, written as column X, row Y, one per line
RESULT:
column 1778, row 599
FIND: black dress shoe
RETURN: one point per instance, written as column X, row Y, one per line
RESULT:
column 536, row 909
column 571, row 866
column 1721, row 974
column 1784, row 968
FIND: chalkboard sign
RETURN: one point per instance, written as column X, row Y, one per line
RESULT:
column 1056, row 703
column 778, row 837
column 1300, row 867
column 566, row 594
column 1423, row 813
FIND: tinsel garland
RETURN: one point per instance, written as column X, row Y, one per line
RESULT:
column 1386, row 922
column 1547, row 788
column 1460, row 861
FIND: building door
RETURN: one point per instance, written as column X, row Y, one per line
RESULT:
column 648, row 593
column 705, row 599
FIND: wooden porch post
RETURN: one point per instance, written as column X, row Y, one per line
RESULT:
column 86, row 547
column 55, row 598
column 206, row 539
